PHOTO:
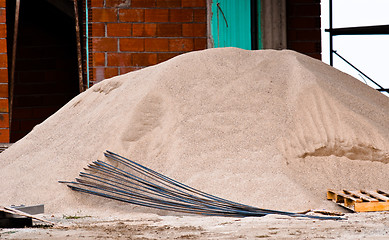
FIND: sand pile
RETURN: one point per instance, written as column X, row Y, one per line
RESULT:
column 273, row 129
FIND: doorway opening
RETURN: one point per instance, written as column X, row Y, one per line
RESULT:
column 46, row 64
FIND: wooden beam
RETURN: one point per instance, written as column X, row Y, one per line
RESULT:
column 78, row 39
column 273, row 24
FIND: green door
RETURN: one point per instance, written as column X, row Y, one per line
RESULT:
column 235, row 23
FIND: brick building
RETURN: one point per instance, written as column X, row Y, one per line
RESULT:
column 116, row 37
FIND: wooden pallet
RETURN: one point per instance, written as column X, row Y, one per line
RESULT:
column 361, row 200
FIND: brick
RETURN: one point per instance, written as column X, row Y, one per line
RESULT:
column 193, row 3
column 305, row 47
column 200, row 43
column 168, row 3
column 200, row 15
column 105, row 44
column 303, row 1
column 97, row 3
column 161, row 57
column 119, row 29
column 305, row 10
column 4, row 135
column 29, row 124
column 194, row 30
column 119, row 59
column 4, row 105
column 156, row 15
column 294, row 35
column 99, row 59
column 169, row 30
column 98, row 29
column 315, row 55
column 144, row 59
column 304, row 22
column 3, row 30
column 3, row 90
column 142, row 3
column 309, row 35
column 3, row 60
column 40, row 88
column 2, row 3
column 132, row 44
column 131, row 15
column 144, row 30
column 110, row 72
column 181, row 45
column 3, row 75
column 98, row 74
column 22, row 113
column 3, row 46
column 181, row 15
column 104, row 15
column 27, row 101
column 4, row 120
column 124, row 70
column 40, row 76
column 3, row 16
column 43, row 111
column 16, row 135
column 117, row 3
column 15, row 122
column 156, row 44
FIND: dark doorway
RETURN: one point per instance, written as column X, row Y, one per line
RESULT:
column 46, row 70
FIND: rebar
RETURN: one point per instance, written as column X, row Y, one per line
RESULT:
column 133, row 183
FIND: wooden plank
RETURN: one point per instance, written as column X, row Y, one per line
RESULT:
column 17, row 212
column 362, row 196
column 79, row 54
column 331, row 195
column 371, row 206
column 383, row 193
column 341, row 195
column 337, row 196
column 349, row 203
column 376, row 195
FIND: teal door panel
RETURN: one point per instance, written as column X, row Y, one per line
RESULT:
column 231, row 23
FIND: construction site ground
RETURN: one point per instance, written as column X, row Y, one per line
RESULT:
column 149, row 226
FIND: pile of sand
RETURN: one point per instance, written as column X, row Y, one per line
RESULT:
column 273, row 129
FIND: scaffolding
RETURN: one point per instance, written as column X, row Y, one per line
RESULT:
column 359, row 30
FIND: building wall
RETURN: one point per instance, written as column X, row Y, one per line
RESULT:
column 129, row 35
column 4, row 112
column 303, row 27
column 126, row 35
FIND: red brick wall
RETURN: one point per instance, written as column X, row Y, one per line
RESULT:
column 4, row 112
column 129, row 35
column 303, row 27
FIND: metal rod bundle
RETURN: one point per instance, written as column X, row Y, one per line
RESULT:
column 131, row 182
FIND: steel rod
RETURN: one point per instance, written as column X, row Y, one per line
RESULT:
column 188, row 197
column 337, row 54
column 205, row 194
column 331, row 36
column 134, row 183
